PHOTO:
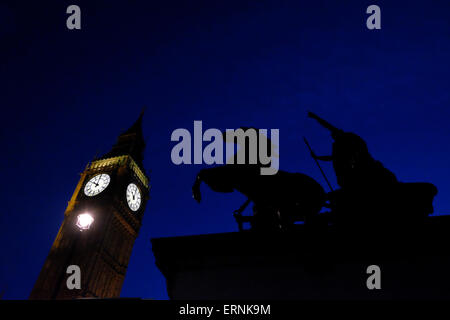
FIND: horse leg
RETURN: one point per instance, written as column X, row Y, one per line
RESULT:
column 219, row 179
column 237, row 214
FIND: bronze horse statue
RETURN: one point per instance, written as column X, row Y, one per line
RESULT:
column 279, row 200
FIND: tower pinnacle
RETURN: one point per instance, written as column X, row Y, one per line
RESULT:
column 131, row 142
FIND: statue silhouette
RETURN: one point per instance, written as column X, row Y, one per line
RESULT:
column 370, row 194
column 279, row 200
column 352, row 162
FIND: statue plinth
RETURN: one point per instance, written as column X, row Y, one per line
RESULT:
column 308, row 263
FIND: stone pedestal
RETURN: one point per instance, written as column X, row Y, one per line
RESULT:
column 308, row 263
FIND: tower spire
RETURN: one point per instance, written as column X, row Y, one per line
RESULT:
column 130, row 142
column 100, row 251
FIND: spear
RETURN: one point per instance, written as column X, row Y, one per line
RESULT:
column 317, row 162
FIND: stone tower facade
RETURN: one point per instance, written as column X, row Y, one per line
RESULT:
column 101, row 223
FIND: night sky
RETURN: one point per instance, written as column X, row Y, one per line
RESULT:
column 67, row 94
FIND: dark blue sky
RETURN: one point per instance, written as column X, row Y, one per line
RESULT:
column 66, row 95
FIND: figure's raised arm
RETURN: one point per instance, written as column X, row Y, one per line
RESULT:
column 324, row 123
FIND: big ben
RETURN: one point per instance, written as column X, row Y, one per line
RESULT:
column 101, row 223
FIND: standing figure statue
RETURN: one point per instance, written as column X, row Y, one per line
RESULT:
column 370, row 194
column 352, row 162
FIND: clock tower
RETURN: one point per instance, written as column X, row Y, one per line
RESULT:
column 90, row 254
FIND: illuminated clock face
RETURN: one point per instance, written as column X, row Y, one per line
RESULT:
column 133, row 197
column 96, row 185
